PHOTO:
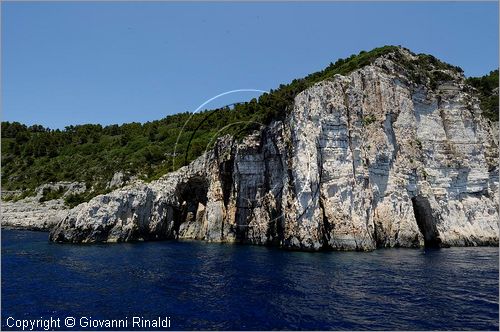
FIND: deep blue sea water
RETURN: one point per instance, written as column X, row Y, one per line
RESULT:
column 214, row 286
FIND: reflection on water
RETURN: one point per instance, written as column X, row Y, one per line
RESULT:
column 212, row 286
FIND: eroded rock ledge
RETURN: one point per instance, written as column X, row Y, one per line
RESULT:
column 33, row 212
column 367, row 160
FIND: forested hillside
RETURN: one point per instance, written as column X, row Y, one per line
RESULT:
column 91, row 153
column 487, row 86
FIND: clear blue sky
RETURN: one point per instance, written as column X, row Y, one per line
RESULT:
column 74, row 63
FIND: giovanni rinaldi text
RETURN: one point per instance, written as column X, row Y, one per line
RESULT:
column 87, row 322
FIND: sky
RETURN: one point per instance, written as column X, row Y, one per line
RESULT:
column 69, row 63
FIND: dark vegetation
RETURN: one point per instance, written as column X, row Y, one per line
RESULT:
column 487, row 87
column 92, row 153
column 50, row 193
column 369, row 119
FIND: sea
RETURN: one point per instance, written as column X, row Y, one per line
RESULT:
column 210, row 286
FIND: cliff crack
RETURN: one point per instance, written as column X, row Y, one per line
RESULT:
column 349, row 135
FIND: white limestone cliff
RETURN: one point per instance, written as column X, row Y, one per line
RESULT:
column 367, row 160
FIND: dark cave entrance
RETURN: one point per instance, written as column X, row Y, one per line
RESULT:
column 226, row 169
column 425, row 221
column 191, row 194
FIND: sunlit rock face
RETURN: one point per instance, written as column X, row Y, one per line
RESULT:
column 363, row 161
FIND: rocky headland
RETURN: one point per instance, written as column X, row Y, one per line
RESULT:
column 366, row 160
column 376, row 158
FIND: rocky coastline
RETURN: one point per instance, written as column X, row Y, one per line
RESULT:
column 363, row 161
column 34, row 212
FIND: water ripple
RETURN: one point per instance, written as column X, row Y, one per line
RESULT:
column 232, row 287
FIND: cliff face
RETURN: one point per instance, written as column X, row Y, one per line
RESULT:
column 367, row 160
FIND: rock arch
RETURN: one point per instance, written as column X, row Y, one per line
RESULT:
column 426, row 221
column 192, row 197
